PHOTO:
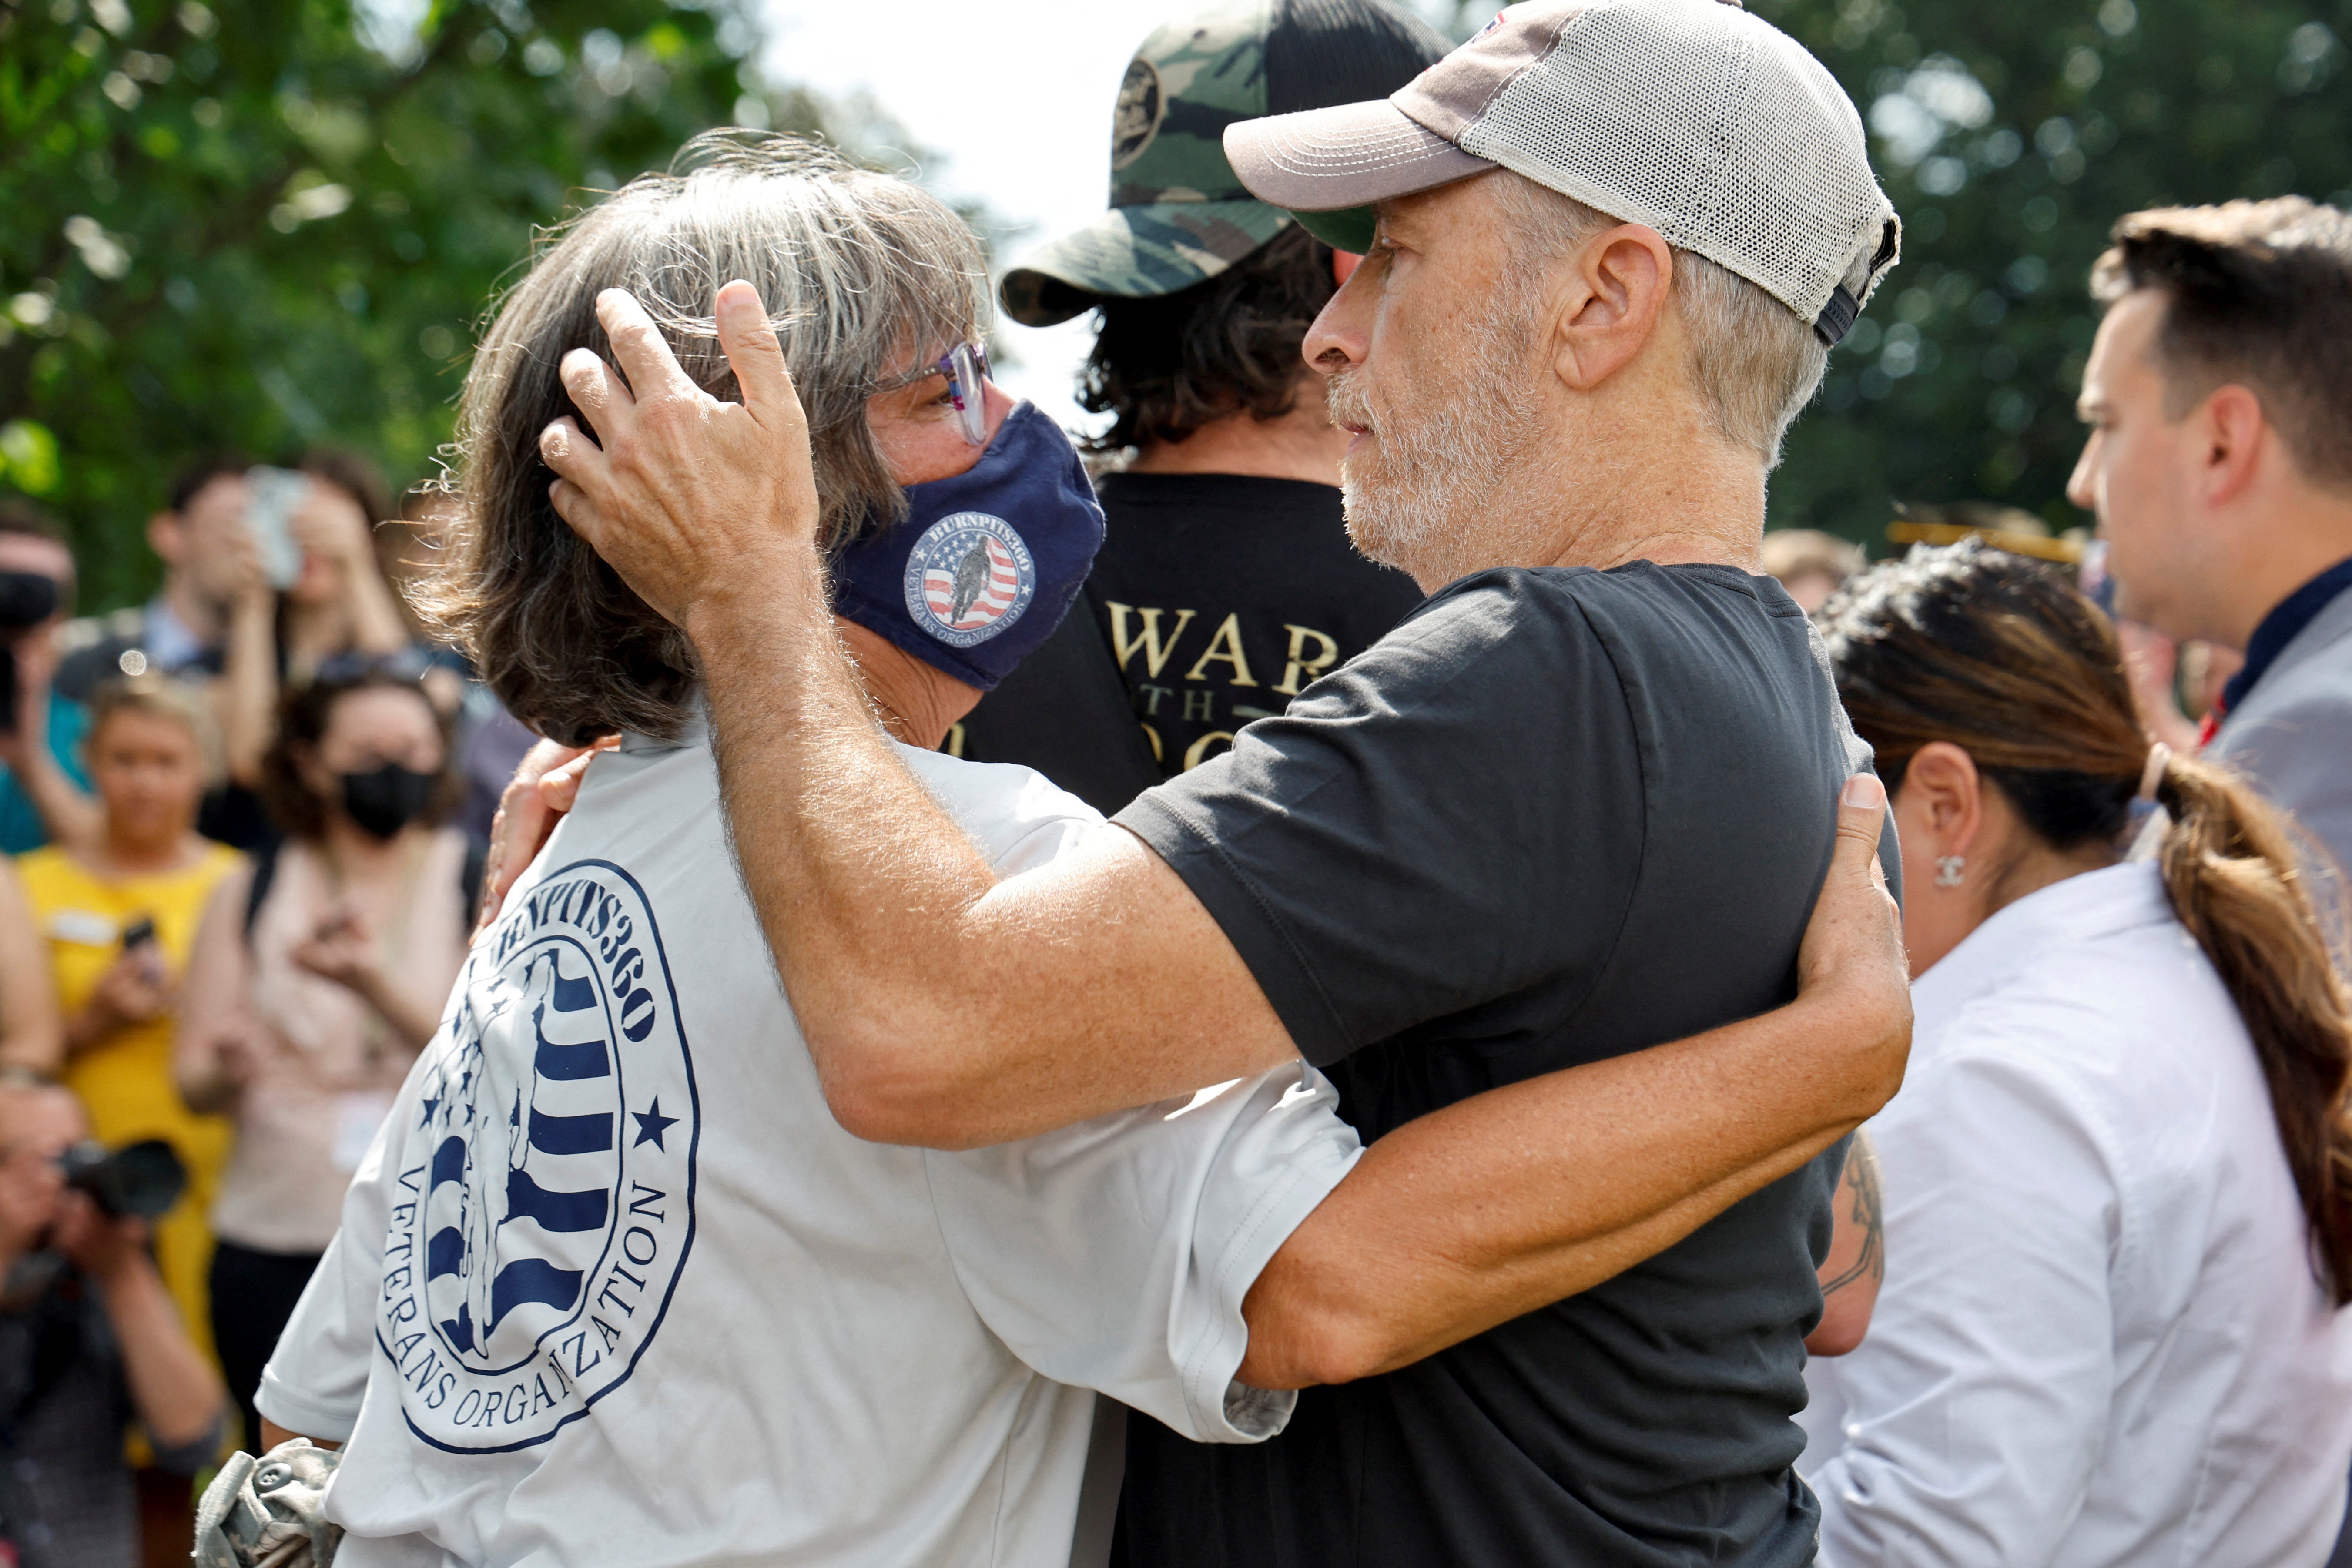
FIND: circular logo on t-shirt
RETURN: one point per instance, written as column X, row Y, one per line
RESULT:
column 545, row 1186
column 967, row 578
column 1136, row 120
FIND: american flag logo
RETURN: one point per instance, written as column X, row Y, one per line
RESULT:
column 982, row 586
column 967, row 578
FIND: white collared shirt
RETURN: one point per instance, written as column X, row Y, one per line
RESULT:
column 2100, row 1342
column 614, row 1286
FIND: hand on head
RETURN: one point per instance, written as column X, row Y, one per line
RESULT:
column 685, row 495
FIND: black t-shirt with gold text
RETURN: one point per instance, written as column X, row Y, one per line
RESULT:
column 1558, row 816
column 1216, row 599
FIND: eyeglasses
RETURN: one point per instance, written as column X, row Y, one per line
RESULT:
column 966, row 368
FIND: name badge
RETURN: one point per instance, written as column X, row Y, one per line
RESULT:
column 85, row 929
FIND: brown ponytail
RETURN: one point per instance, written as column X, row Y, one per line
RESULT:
column 1999, row 656
column 2232, row 865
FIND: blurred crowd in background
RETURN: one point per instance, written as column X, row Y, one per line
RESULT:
column 247, row 820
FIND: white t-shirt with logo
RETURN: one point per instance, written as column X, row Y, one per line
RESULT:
column 612, row 1287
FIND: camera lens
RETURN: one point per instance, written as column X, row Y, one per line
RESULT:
column 144, row 1179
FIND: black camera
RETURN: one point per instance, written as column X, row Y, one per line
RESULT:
column 144, row 1179
column 27, row 599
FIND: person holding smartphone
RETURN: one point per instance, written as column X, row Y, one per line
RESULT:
column 313, row 597
column 120, row 917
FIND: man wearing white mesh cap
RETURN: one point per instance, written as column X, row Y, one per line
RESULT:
column 1578, row 804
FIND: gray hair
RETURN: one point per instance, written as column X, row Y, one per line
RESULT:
column 864, row 276
column 1755, row 363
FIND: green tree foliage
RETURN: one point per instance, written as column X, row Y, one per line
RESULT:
column 2011, row 134
column 258, row 225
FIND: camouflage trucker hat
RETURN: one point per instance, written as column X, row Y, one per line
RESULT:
column 1178, row 213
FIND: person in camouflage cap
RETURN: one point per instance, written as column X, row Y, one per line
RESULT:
column 1178, row 213
column 1225, row 554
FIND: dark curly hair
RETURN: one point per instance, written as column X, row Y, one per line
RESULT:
column 303, row 715
column 1164, row 367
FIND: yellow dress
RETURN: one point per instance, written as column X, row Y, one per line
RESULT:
column 125, row 1080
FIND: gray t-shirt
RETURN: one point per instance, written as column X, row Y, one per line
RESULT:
column 1555, row 816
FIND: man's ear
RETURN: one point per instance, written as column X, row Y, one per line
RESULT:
column 163, row 536
column 1615, row 294
column 2230, row 430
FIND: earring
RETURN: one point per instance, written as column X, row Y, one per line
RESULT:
column 1951, row 871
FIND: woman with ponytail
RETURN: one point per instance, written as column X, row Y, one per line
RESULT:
column 2118, row 1180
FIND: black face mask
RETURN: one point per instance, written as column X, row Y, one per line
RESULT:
column 384, row 800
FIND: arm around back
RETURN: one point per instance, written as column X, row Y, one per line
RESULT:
column 1518, row 1197
column 1152, row 1000
column 1856, row 1265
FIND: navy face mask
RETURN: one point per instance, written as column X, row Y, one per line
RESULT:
column 986, row 562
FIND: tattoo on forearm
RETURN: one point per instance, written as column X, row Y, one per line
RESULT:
column 1860, row 1180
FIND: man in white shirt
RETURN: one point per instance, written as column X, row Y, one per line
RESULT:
column 614, row 1286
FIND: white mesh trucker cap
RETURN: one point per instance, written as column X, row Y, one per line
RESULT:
column 1708, row 124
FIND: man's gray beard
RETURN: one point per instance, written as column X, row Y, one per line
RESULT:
column 1429, row 475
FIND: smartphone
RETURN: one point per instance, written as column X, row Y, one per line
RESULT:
column 138, row 932
column 277, row 494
